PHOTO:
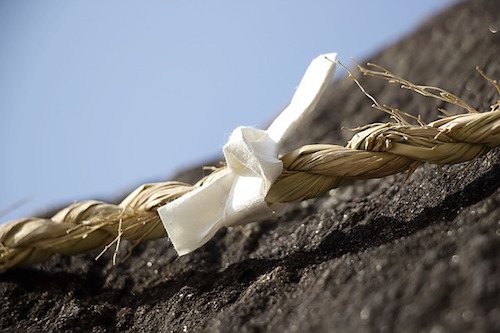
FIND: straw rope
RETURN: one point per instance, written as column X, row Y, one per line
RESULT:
column 378, row 150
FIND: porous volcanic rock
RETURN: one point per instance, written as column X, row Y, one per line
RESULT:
column 421, row 255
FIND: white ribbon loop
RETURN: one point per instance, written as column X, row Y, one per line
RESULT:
column 238, row 195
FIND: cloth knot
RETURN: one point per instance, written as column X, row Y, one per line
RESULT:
column 237, row 195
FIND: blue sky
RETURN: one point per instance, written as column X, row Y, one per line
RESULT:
column 97, row 97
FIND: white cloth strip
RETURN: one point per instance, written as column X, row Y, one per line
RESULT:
column 237, row 195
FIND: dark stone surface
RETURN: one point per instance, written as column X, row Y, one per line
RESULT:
column 383, row 255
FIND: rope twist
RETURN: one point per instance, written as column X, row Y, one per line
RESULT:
column 378, row 150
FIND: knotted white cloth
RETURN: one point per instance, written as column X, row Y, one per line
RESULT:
column 237, row 195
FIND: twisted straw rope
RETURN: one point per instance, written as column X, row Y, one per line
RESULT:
column 378, row 150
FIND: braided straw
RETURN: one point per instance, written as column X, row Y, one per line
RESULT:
column 378, row 150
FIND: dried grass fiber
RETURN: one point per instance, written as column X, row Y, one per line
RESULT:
column 376, row 151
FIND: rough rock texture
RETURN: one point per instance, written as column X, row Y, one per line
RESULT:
column 383, row 255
